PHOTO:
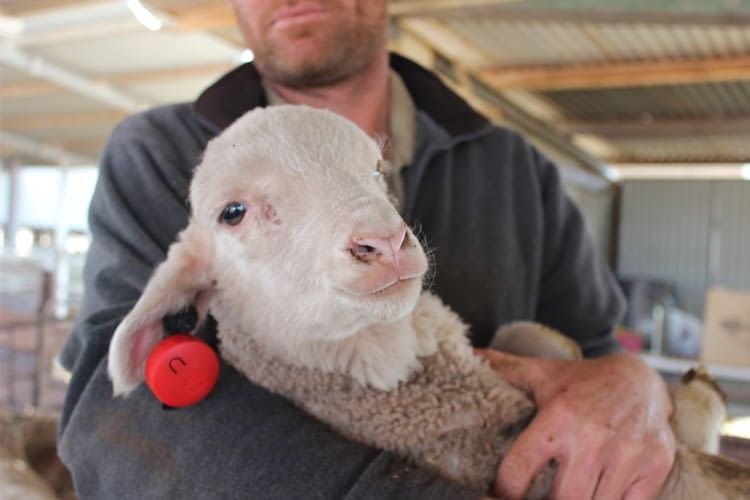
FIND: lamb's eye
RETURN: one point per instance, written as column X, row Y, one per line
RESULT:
column 233, row 213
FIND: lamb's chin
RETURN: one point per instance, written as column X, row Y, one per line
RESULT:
column 386, row 301
column 387, row 289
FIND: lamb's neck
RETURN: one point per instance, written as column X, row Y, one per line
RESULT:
column 378, row 356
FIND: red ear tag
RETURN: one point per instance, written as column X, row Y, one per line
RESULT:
column 181, row 370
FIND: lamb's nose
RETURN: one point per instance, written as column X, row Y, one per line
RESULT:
column 373, row 248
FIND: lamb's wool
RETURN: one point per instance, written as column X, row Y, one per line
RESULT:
column 456, row 414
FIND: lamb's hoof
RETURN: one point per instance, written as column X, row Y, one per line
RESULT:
column 700, row 408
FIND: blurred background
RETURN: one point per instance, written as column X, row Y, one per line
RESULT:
column 644, row 105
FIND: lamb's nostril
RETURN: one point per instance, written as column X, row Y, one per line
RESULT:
column 405, row 242
column 373, row 248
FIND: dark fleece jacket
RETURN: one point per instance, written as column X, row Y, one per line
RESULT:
column 507, row 245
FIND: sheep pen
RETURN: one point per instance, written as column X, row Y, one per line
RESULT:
column 347, row 333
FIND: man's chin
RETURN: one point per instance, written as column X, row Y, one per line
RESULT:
column 302, row 73
column 303, row 59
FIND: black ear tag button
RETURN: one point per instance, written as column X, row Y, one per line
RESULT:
column 181, row 322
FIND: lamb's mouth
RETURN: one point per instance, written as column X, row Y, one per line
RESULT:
column 388, row 288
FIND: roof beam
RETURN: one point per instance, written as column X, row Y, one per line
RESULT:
column 22, row 89
column 639, row 74
column 430, row 8
column 639, row 128
column 205, row 17
column 27, row 7
column 679, row 171
column 501, row 10
column 62, row 120
column 40, row 68
column 42, row 150
column 11, row 90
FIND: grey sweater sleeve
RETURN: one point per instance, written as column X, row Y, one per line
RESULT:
column 241, row 442
column 578, row 293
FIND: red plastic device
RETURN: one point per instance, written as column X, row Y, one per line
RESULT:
column 181, row 370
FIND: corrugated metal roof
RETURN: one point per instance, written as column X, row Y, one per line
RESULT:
column 156, row 50
column 731, row 99
column 523, row 41
column 526, row 35
column 528, row 43
column 707, row 148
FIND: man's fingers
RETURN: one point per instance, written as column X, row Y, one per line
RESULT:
column 527, row 457
column 617, row 475
column 654, row 474
column 643, row 489
column 576, row 479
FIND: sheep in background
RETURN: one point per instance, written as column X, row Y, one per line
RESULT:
column 316, row 284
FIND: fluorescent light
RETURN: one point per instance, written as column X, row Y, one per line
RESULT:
column 10, row 27
column 144, row 16
column 737, row 427
column 612, row 174
column 246, row 56
column 705, row 171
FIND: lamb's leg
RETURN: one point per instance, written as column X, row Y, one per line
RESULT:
column 700, row 409
column 525, row 338
column 698, row 476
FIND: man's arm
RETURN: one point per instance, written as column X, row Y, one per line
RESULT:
column 241, row 442
column 605, row 421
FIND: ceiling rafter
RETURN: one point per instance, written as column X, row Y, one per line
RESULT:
column 70, row 79
column 41, row 150
column 432, row 8
column 509, row 12
column 22, row 89
column 27, row 7
column 623, row 74
column 33, row 122
column 660, row 127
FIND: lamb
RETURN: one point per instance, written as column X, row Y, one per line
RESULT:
column 347, row 333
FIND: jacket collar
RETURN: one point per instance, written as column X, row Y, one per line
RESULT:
column 240, row 90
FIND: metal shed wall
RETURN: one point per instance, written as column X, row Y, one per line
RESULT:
column 731, row 267
column 663, row 234
column 692, row 234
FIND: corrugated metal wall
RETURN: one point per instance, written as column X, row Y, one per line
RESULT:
column 596, row 208
column 732, row 211
column 691, row 234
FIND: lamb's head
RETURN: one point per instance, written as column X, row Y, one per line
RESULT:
column 292, row 239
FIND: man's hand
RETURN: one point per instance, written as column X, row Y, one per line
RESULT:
column 605, row 421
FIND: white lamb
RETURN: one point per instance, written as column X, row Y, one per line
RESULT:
column 346, row 332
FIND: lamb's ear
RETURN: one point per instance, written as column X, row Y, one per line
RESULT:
column 184, row 278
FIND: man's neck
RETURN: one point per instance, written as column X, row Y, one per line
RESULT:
column 363, row 98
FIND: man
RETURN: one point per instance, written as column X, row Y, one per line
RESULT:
column 508, row 245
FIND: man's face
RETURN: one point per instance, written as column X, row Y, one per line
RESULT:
column 312, row 43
